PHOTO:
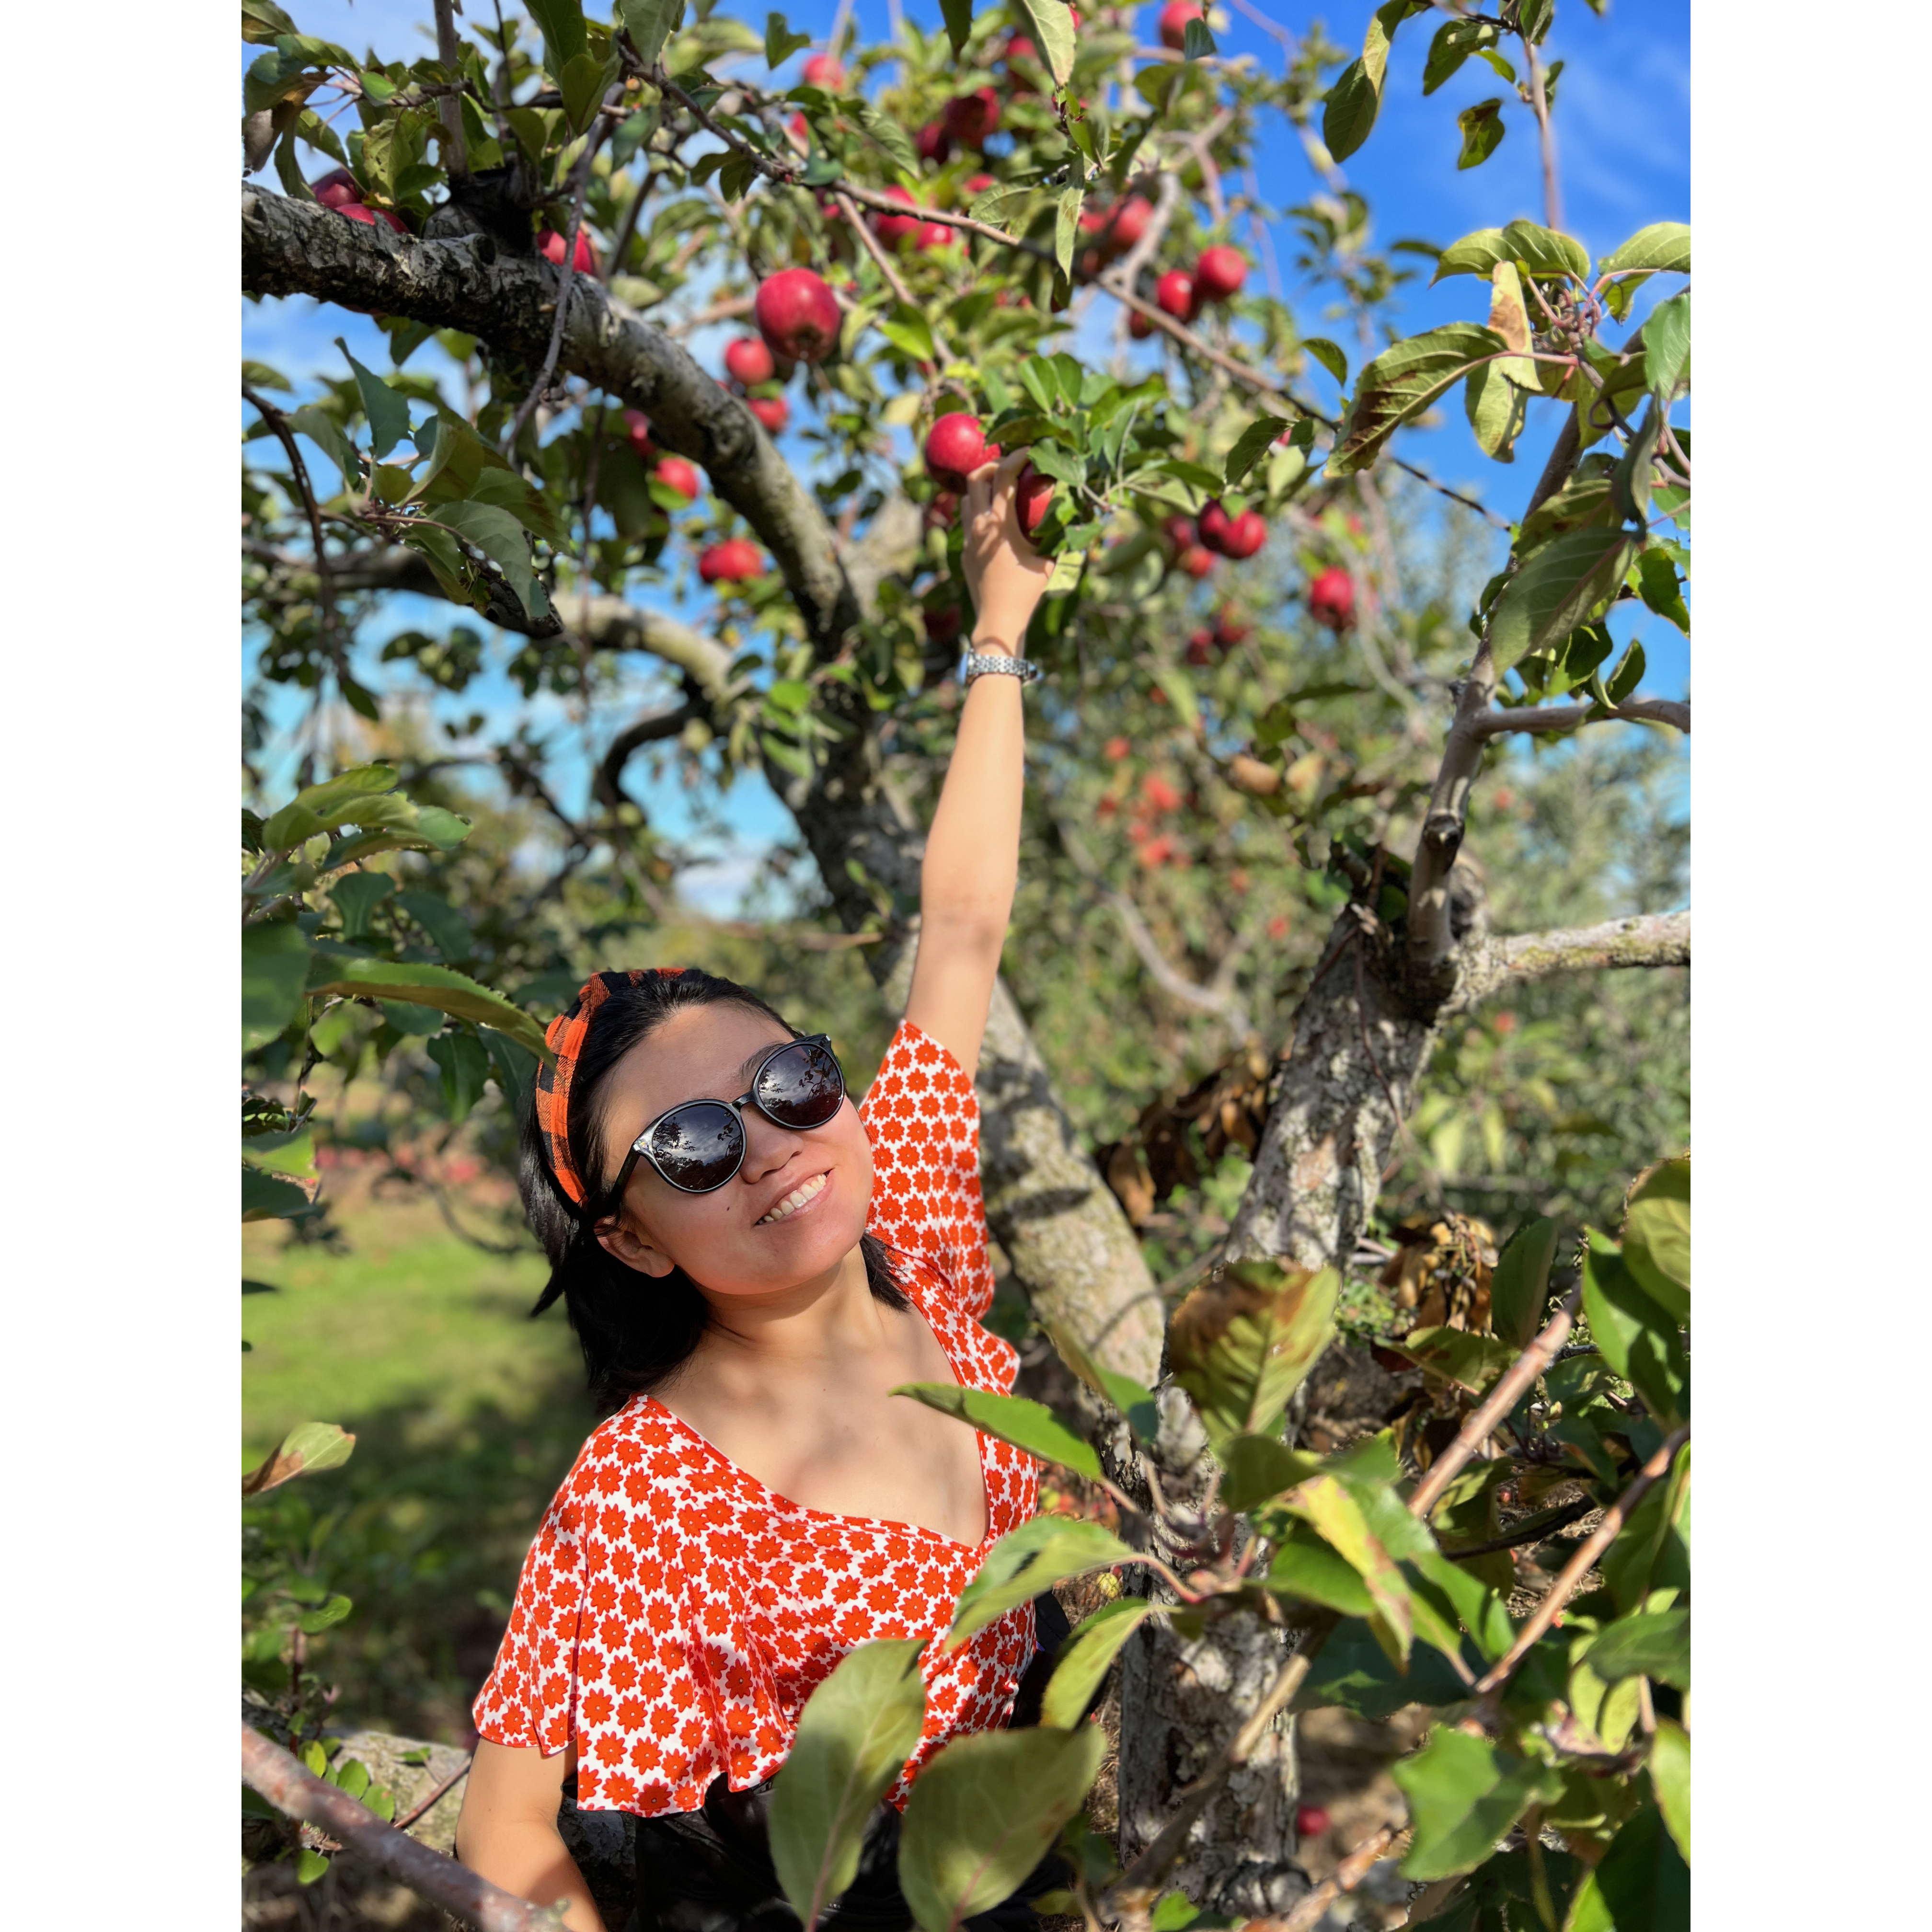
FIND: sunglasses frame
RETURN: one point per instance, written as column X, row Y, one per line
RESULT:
column 641, row 1146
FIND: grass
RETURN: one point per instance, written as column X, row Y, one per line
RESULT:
column 466, row 1416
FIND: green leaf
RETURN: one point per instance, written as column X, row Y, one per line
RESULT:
column 1255, row 1467
column 1666, row 342
column 1643, row 1884
column 1464, row 1793
column 1085, row 1657
column 326, row 434
column 988, row 1807
column 1252, row 444
column 1402, row 382
column 1544, row 251
column 320, row 808
column 453, row 993
column 1653, row 1643
column 1482, row 126
column 649, row 22
column 1329, row 355
column 1066, row 221
column 1639, row 1338
column 1043, row 1551
column 265, row 1198
column 1669, row 1767
column 313, row 1622
column 356, row 895
column 958, row 15
column 309, row 1866
column 1477, row 253
column 858, row 1728
column 394, row 824
column 1334, row 1509
column 1656, row 1235
column 1349, row 114
column 460, row 1059
column 1519, row 1286
column 907, row 328
column 1133, row 1399
column 1308, row 1570
column 1012, row 1418
column 561, row 23
column 501, row 539
column 274, row 965
column 291, row 1154
column 1455, row 41
column 448, row 929
column 1240, row 1346
column 1664, row 247
column 388, row 412
column 1196, row 42
column 314, row 1446
column 1049, row 26
column 1658, row 585
column 781, row 43
column 1471, row 1361
column 1560, row 585
column 1496, row 408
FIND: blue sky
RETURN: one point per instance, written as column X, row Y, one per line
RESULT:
column 1622, row 120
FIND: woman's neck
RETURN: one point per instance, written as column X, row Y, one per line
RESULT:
column 829, row 1318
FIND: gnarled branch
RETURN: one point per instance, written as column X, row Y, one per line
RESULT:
column 1647, row 939
column 1567, row 717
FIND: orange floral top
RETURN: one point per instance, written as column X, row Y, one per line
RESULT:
column 673, row 1614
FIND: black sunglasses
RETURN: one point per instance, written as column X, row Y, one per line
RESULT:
column 698, row 1145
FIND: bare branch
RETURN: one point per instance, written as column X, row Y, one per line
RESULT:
column 609, row 782
column 293, row 1789
column 1646, row 939
column 1567, row 717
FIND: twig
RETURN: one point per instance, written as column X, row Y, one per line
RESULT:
column 1553, row 197
column 449, row 51
column 1567, row 717
column 1574, row 1572
column 455, row 1778
column 1517, row 1378
column 1310, row 1910
column 1534, row 1531
column 279, row 426
column 293, row 1789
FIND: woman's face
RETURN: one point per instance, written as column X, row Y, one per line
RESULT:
column 700, row 1053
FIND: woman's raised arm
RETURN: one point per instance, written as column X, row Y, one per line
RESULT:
column 971, row 866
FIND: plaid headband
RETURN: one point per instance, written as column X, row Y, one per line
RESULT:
column 564, row 1036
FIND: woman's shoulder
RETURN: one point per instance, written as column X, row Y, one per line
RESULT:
column 918, row 1074
column 626, row 1459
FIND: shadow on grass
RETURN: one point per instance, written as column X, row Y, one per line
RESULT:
column 424, row 1529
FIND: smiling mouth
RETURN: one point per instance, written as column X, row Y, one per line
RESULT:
column 796, row 1202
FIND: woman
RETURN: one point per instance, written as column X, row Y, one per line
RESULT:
column 752, row 1265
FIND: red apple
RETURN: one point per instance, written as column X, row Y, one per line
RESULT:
column 637, row 431
column 335, row 188
column 1310, row 1822
column 1130, row 223
column 824, row 71
column 677, row 474
column 1218, row 274
column 1117, row 748
column 971, row 118
column 934, row 234
column 1160, row 795
column 1138, row 326
column 1174, row 294
column 1213, row 525
column 799, row 129
column 774, row 412
column 896, row 231
column 733, row 561
column 1174, row 18
column 1200, row 647
column 1032, row 495
column 1331, row 598
column 749, row 362
column 1244, row 535
column 797, row 315
column 371, row 216
column 975, row 185
column 955, row 445
column 1277, row 928
column 934, row 143
column 1105, row 808
column 1018, row 47
column 1180, row 532
column 582, row 257
column 1157, row 851
column 1195, row 561
column 1229, row 630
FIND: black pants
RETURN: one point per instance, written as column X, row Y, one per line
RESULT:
column 711, row 1870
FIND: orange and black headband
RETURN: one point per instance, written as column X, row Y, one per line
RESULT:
column 564, row 1036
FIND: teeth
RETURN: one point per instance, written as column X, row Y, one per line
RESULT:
column 792, row 1201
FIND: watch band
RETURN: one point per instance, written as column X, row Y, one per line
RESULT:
column 973, row 663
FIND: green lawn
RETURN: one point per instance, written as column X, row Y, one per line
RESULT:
column 466, row 1414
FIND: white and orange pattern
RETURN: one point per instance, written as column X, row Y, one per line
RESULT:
column 673, row 1614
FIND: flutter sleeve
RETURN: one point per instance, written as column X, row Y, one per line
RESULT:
column 923, row 1117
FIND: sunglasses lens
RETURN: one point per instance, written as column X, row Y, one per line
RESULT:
column 802, row 1087
column 697, row 1146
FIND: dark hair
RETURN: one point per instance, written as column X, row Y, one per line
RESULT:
column 635, row 1329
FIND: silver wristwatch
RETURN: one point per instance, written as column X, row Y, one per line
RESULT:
column 973, row 662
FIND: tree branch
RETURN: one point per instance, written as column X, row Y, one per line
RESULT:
column 293, row 1789
column 1647, row 939
column 291, row 248
column 1567, row 717
column 609, row 783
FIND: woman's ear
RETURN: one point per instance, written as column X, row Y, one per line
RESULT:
column 619, row 1239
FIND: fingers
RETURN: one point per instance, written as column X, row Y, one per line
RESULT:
column 979, row 492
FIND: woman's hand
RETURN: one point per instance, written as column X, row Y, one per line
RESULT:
column 1005, row 574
